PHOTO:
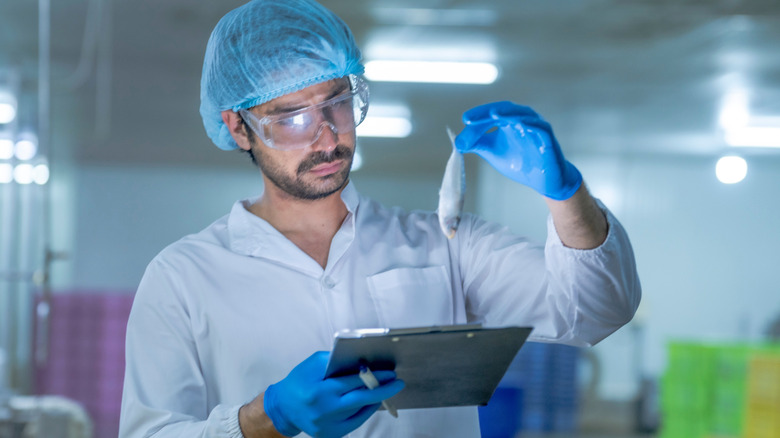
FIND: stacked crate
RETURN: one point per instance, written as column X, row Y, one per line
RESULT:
column 86, row 358
column 564, row 361
column 686, row 391
column 721, row 391
column 729, row 389
column 762, row 418
column 545, row 378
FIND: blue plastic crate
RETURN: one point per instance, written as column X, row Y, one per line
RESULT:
column 502, row 417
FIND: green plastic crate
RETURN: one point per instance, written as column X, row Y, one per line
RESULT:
column 684, row 426
column 730, row 362
column 681, row 395
column 690, row 360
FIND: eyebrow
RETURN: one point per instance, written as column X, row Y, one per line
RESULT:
column 276, row 110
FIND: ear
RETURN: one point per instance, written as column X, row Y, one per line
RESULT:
column 237, row 129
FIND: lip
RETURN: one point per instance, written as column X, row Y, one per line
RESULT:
column 327, row 168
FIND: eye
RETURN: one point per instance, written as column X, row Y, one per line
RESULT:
column 344, row 103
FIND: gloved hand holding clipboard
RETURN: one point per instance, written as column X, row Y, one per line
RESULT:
column 458, row 365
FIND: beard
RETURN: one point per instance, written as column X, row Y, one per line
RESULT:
column 298, row 185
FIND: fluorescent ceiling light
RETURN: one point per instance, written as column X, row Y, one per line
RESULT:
column 7, row 113
column 436, row 17
column 41, row 174
column 734, row 111
column 390, row 120
column 432, row 72
column 385, row 126
column 6, row 173
column 23, row 173
column 731, row 169
column 6, row 149
column 25, row 149
column 753, row 136
column 429, row 45
column 743, row 129
column 7, row 107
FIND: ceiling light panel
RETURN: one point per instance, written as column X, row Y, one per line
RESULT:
column 401, row 43
column 753, row 136
column 390, row 120
column 431, row 72
column 435, row 17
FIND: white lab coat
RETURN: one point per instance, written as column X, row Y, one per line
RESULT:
column 222, row 314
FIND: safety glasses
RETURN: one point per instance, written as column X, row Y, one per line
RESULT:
column 301, row 128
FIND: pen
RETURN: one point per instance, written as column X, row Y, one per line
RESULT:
column 371, row 382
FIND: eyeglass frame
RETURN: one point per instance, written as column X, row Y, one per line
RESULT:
column 358, row 91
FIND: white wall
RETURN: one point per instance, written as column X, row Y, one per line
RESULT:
column 126, row 215
column 706, row 252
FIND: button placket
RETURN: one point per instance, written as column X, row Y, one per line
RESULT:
column 328, row 282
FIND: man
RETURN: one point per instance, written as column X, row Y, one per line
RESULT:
column 230, row 328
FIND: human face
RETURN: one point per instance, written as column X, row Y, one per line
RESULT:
column 319, row 169
column 288, row 128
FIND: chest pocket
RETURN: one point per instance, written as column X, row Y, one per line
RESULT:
column 412, row 297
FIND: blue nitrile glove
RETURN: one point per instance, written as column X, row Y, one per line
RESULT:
column 306, row 401
column 522, row 148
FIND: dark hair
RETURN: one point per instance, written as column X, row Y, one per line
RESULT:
column 252, row 139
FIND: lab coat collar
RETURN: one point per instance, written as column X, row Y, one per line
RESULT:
column 252, row 236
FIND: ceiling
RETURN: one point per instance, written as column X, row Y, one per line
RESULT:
column 612, row 76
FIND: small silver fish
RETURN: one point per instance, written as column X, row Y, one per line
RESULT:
column 452, row 191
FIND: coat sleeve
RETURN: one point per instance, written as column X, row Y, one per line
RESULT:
column 572, row 296
column 164, row 389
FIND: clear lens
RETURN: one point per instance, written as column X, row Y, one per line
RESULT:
column 300, row 129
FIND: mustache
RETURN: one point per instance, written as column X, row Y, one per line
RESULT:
column 338, row 153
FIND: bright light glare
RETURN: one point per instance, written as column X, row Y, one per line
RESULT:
column 385, row 126
column 6, row 173
column 754, row 136
column 734, row 112
column 7, row 107
column 432, row 72
column 731, row 169
column 7, row 113
column 41, row 174
column 25, row 150
column 6, row 149
column 23, row 173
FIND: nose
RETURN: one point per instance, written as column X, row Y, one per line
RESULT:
column 327, row 137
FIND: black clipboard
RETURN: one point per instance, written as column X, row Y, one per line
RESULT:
column 458, row 365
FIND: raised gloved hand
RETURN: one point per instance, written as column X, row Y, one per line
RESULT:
column 306, row 401
column 522, row 148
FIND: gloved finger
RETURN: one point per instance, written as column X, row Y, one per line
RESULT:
column 361, row 416
column 477, row 137
column 485, row 142
column 363, row 397
column 467, row 139
column 384, row 375
column 538, row 123
column 345, row 384
column 541, row 130
column 353, row 422
column 491, row 111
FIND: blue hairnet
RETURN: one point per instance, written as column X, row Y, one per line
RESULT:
column 269, row 48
